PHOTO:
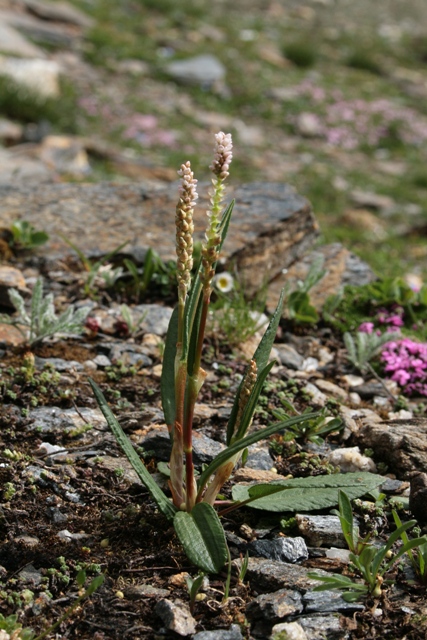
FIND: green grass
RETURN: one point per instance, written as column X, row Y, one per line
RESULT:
column 24, row 105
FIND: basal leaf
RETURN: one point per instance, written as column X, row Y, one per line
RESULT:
column 164, row 504
column 202, row 536
column 167, row 383
column 239, row 445
column 308, row 494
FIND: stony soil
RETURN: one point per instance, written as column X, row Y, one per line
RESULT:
column 84, row 507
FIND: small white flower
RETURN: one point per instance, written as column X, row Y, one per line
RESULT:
column 224, row 282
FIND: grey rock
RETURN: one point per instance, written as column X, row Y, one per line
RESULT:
column 349, row 459
column 56, row 516
column 205, row 449
column 289, row 357
column 158, row 442
column 120, row 466
column 321, row 531
column 62, row 35
column 11, row 278
column 372, row 200
column 67, row 536
column 43, row 600
column 102, row 361
column 323, row 627
column 342, row 267
column 338, row 554
column 37, row 75
column 10, row 132
column 289, row 630
column 65, row 154
column 30, row 575
column 271, row 575
column 13, row 43
column 204, row 70
column 418, row 497
column 259, row 457
column 370, row 389
column 14, row 166
column 282, row 549
column 27, row 541
column 273, row 226
column 176, row 616
column 128, row 354
column 59, row 11
column 309, row 125
column 55, row 420
column 328, row 602
column 59, row 364
column 233, row 633
column 156, row 318
column 136, row 592
column 401, row 444
column 332, row 389
column 275, row 606
column 393, row 486
column 317, row 396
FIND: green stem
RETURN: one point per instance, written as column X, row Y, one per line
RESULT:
column 202, row 329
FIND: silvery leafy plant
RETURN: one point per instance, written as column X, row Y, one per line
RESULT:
column 41, row 321
column 193, row 501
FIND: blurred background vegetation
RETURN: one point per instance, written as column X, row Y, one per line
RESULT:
column 327, row 95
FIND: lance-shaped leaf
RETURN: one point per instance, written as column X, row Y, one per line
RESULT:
column 164, row 504
column 167, row 383
column 261, row 357
column 252, row 402
column 239, row 445
column 307, row 494
column 202, row 536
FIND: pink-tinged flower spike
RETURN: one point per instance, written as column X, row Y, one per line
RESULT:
column 185, row 228
column 223, row 155
column 220, row 166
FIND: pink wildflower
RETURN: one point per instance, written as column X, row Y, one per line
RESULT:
column 366, row 327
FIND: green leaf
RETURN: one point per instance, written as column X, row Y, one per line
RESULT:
column 309, row 494
column 225, row 222
column 164, row 504
column 252, row 402
column 261, row 357
column 346, row 520
column 81, row 578
column 190, row 312
column 202, row 536
column 94, row 585
column 192, row 347
column 167, row 383
column 300, row 308
column 239, row 445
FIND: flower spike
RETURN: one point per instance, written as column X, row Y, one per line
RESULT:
column 185, row 228
column 223, row 155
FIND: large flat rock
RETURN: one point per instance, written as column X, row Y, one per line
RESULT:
column 271, row 228
column 401, row 444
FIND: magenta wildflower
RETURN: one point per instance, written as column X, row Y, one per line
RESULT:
column 406, row 361
column 366, row 327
